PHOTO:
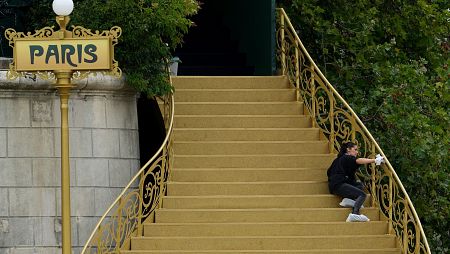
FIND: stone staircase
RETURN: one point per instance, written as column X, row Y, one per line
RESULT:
column 250, row 177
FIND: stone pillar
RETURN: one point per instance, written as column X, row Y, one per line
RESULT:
column 104, row 155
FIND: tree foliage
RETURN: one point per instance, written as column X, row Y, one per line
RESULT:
column 390, row 60
column 151, row 30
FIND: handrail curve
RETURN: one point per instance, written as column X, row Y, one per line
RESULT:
column 139, row 199
column 339, row 123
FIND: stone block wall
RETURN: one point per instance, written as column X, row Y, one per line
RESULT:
column 104, row 155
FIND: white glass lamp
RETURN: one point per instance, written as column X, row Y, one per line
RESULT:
column 62, row 7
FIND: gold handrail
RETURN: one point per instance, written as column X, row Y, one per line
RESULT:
column 138, row 200
column 338, row 122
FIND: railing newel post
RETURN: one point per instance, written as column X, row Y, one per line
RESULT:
column 283, row 41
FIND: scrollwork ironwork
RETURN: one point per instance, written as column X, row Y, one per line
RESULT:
column 114, row 33
column 11, row 35
column 339, row 123
column 138, row 200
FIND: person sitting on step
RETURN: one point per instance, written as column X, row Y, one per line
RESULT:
column 342, row 181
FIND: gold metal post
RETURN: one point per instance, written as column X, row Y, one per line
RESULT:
column 297, row 72
column 313, row 102
column 283, row 54
column 391, row 203
column 64, row 85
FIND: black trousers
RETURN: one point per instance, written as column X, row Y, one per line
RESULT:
column 354, row 192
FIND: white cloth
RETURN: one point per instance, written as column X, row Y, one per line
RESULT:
column 379, row 159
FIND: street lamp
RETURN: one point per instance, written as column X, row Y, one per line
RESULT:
column 65, row 55
column 63, row 8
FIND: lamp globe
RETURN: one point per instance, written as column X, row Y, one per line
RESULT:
column 62, row 7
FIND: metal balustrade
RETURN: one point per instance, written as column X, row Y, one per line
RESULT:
column 339, row 123
column 139, row 199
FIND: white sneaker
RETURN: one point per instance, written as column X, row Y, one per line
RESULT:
column 346, row 202
column 357, row 218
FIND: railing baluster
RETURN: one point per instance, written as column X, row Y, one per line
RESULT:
column 417, row 244
column 297, row 72
column 161, row 183
column 119, row 225
column 313, row 98
column 372, row 175
column 391, row 204
column 353, row 130
column 331, row 119
column 405, row 227
column 141, row 204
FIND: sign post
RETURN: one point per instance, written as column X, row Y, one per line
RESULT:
column 63, row 55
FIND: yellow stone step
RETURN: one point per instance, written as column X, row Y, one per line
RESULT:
column 264, row 242
column 247, row 174
column 249, row 147
column 241, row 121
column 331, row 251
column 253, row 201
column 230, row 82
column 265, row 229
column 247, row 188
column 165, row 215
column 234, row 95
column 239, row 108
column 246, row 134
column 254, row 161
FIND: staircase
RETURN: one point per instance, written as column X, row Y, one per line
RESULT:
column 250, row 177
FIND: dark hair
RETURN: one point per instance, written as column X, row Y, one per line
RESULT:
column 344, row 148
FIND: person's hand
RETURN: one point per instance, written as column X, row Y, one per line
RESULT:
column 379, row 159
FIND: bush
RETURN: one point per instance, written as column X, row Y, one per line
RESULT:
column 150, row 31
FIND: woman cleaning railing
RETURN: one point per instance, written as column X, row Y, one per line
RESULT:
column 339, row 123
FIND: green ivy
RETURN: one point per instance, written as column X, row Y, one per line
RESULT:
column 390, row 60
column 151, row 30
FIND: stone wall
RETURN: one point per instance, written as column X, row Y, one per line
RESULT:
column 104, row 153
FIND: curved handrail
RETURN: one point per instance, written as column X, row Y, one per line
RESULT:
column 138, row 200
column 338, row 122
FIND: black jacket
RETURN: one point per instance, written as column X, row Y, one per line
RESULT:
column 342, row 170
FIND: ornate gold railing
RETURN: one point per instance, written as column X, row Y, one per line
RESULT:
column 339, row 123
column 139, row 199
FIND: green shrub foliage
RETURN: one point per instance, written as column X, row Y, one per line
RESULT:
column 390, row 60
column 151, row 29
